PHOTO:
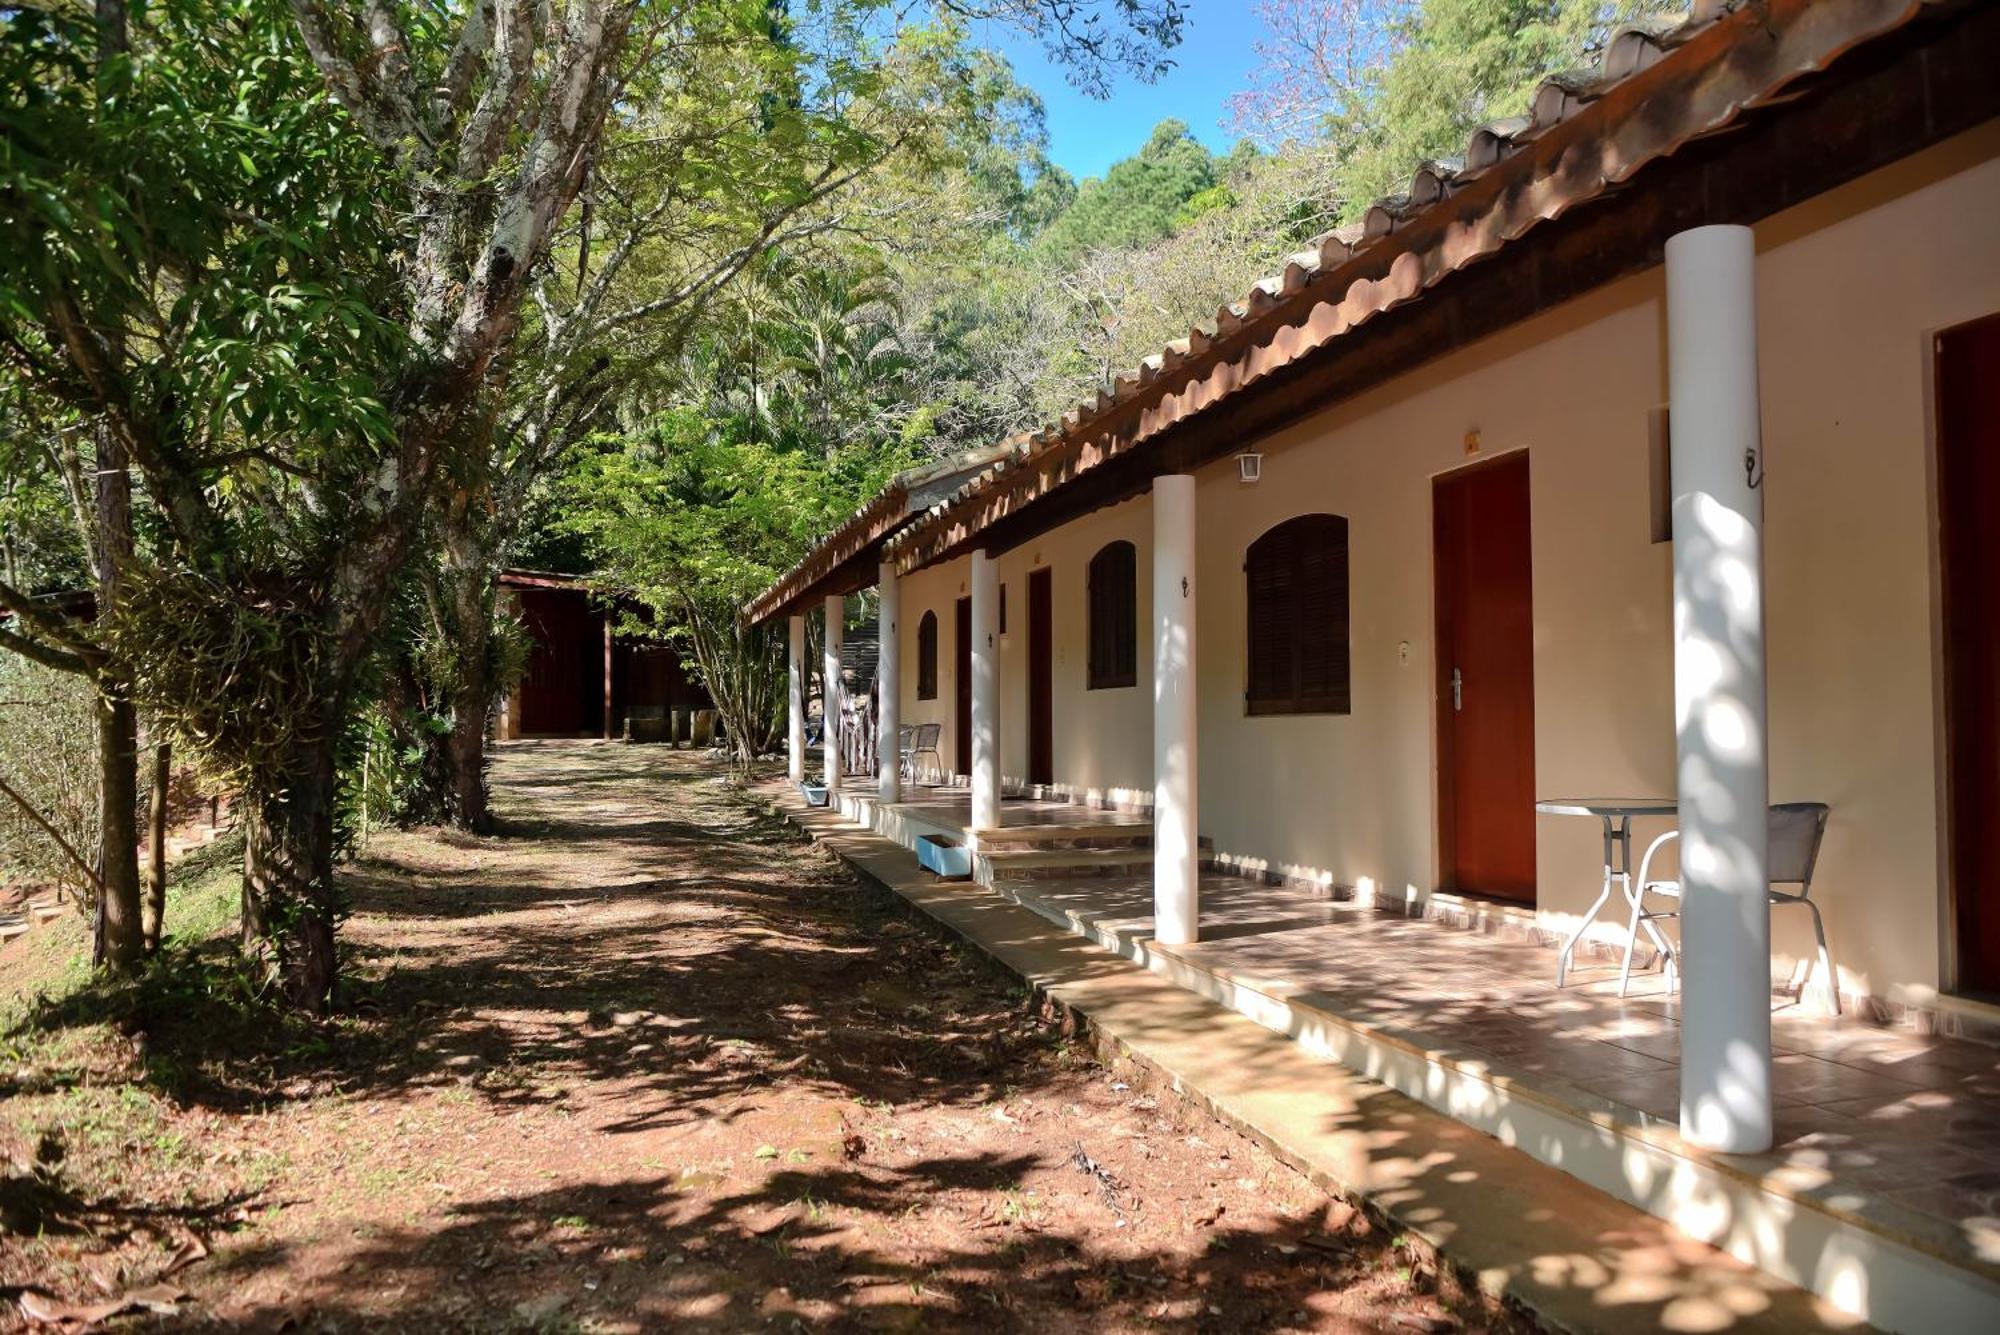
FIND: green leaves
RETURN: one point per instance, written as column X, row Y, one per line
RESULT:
column 205, row 214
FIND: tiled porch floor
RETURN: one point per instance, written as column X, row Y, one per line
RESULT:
column 1902, row 1117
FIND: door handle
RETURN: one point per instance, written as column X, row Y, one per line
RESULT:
column 1457, row 691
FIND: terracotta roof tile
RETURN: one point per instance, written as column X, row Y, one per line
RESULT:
column 1449, row 241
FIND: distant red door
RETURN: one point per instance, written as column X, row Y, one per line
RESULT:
column 1486, row 679
column 961, row 685
column 1968, row 397
column 564, row 684
column 1041, row 678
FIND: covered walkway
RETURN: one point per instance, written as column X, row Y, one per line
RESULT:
column 1887, row 1162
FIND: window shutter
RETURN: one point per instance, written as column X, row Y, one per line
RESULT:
column 1273, row 618
column 1125, row 610
column 1296, row 580
column 1112, row 590
column 927, row 636
column 1095, row 616
column 1323, row 665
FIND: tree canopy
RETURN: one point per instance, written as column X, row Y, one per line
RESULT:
column 315, row 315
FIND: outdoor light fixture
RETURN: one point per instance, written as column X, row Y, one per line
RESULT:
column 1249, row 466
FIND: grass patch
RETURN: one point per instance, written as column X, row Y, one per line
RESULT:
column 195, row 1025
column 98, row 1075
column 51, row 964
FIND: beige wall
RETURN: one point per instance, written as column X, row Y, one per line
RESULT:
column 1850, row 289
column 1103, row 738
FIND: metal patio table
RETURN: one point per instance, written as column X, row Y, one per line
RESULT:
column 1616, row 813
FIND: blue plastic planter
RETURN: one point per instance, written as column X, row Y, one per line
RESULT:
column 944, row 857
column 815, row 794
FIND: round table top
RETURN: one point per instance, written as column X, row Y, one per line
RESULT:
column 1607, row 806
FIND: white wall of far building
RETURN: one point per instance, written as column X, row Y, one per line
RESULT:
column 1850, row 289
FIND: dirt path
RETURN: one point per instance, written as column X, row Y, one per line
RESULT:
column 647, row 1061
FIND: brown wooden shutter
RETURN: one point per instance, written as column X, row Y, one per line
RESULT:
column 1112, row 591
column 1125, row 612
column 1094, row 617
column 927, row 650
column 1273, row 620
column 1322, row 583
column 1296, row 580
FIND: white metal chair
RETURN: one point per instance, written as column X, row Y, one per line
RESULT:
column 1796, row 829
column 917, row 741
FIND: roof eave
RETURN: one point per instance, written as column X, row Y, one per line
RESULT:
column 1582, row 144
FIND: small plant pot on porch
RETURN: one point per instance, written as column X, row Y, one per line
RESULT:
column 944, row 857
column 815, row 794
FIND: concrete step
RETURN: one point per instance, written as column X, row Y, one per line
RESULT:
column 1098, row 835
column 1038, row 864
column 1125, row 835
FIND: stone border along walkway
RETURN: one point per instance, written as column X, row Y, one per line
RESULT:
column 1576, row 1258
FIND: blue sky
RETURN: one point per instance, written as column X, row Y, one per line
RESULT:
column 1086, row 135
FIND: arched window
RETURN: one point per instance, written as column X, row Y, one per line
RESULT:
column 927, row 657
column 1297, row 584
column 1114, row 616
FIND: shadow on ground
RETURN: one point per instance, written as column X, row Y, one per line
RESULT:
column 643, row 1059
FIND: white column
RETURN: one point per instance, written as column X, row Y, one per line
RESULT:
column 795, row 733
column 829, row 731
column 1176, row 820
column 985, row 693
column 1719, row 689
column 889, row 647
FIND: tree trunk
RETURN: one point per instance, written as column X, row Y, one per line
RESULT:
column 745, row 674
column 289, row 902
column 156, row 878
column 452, row 782
column 465, row 748
column 120, row 940
column 470, row 570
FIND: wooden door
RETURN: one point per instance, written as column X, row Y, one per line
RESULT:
column 961, row 687
column 564, row 681
column 1041, row 678
column 1968, row 397
column 1486, row 679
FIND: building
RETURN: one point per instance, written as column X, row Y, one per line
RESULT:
column 1646, row 451
column 585, row 680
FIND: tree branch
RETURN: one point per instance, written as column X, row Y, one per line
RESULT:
column 381, row 110
column 89, row 876
column 475, row 40
column 512, row 45
column 47, row 655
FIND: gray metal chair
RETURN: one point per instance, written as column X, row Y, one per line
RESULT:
column 1796, row 829
column 917, row 741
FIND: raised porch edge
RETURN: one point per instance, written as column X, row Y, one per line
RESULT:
column 1596, row 1262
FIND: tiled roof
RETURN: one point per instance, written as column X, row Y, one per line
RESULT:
column 1660, row 84
column 1735, row 55
column 1630, row 49
column 910, row 493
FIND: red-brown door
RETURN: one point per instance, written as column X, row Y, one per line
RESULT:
column 1041, row 678
column 1968, row 396
column 564, row 686
column 1486, row 679
column 961, row 686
